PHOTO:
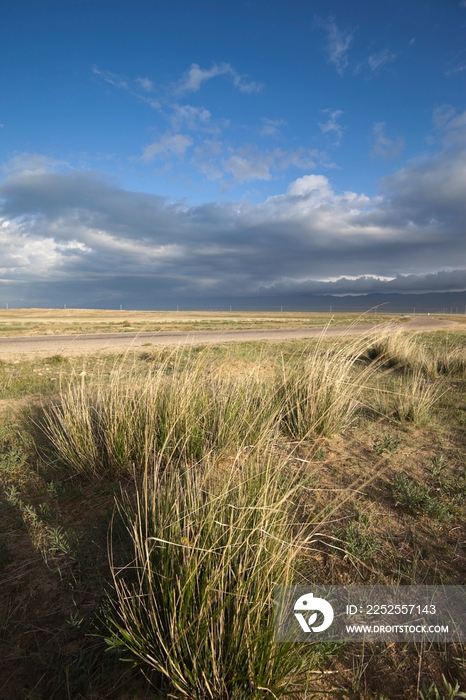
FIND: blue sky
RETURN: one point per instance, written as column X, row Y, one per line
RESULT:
column 168, row 150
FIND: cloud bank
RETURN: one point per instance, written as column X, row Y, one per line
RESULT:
column 69, row 229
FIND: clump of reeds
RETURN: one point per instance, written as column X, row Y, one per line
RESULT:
column 182, row 409
column 196, row 605
column 185, row 408
column 415, row 385
column 407, row 397
column 398, row 350
column 452, row 362
column 415, row 397
column 320, row 391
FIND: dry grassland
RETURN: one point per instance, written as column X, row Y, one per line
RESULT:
column 338, row 461
column 17, row 322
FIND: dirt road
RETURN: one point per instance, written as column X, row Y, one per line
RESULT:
column 45, row 345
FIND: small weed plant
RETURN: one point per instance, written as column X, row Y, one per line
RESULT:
column 357, row 540
column 449, row 692
column 417, row 498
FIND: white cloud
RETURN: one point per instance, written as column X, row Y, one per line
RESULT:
column 299, row 158
column 193, row 117
column 69, row 230
column 111, row 78
column 145, row 84
column 209, row 169
column 141, row 84
column 338, row 44
column 377, row 60
column 168, row 145
column 314, row 187
column 332, row 126
column 191, row 81
column 459, row 68
column 244, row 85
column 450, row 125
column 33, row 163
column 384, row 148
column 74, row 228
column 246, row 168
column 196, row 76
column 459, row 65
column 442, row 281
column 248, row 163
column 205, row 157
column 442, row 116
column 270, row 127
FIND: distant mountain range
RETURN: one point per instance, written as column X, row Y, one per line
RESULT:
column 432, row 302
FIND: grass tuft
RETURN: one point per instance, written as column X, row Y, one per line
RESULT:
column 180, row 409
column 321, row 390
column 195, row 605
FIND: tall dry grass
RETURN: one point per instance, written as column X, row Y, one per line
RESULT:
column 406, row 352
column 183, row 407
column 196, row 604
column 321, row 389
column 211, row 529
column 413, row 384
column 415, row 397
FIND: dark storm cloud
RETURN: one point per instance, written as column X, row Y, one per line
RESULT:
column 69, row 228
column 402, row 284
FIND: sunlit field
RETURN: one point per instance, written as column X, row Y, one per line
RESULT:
column 15, row 322
column 150, row 501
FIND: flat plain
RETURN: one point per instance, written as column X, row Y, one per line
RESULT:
column 55, row 332
column 78, row 321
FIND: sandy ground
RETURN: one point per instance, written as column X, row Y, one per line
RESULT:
column 23, row 346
